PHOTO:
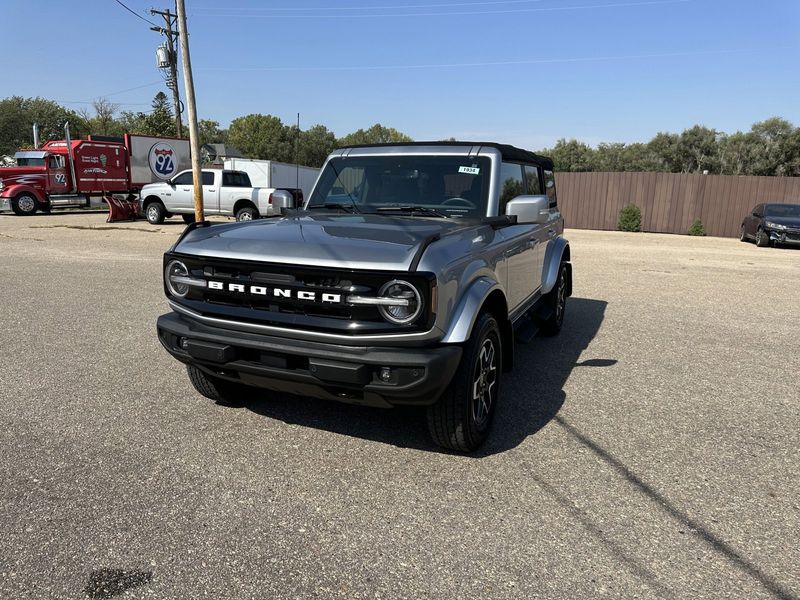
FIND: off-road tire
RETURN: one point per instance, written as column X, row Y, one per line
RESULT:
column 556, row 301
column 762, row 238
column 24, row 204
column 188, row 218
column 458, row 421
column 155, row 213
column 215, row 389
column 246, row 213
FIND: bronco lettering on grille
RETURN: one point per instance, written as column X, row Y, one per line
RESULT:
column 260, row 290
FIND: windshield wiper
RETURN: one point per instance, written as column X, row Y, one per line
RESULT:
column 422, row 210
column 349, row 208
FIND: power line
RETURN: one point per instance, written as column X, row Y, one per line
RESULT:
column 577, row 59
column 449, row 14
column 135, row 14
column 394, row 7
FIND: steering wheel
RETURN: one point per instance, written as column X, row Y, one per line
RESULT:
column 460, row 201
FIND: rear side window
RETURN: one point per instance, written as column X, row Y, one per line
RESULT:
column 208, row 178
column 532, row 179
column 550, row 188
column 511, row 184
column 235, row 179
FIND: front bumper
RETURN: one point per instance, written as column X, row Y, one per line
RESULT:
column 5, row 204
column 780, row 236
column 349, row 374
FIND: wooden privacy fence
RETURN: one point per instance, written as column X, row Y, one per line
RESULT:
column 670, row 202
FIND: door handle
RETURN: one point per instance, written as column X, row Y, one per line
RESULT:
column 212, row 190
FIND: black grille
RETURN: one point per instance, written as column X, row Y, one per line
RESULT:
column 297, row 311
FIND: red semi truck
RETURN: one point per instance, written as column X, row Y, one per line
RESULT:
column 68, row 172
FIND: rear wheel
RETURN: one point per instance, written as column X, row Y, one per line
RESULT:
column 762, row 238
column 246, row 213
column 219, row 390
column 188, row 218
column 556, row 300
column 24, row 204
column 155, row 213
column 462, row 417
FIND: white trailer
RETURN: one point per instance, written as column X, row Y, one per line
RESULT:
column 273, row 174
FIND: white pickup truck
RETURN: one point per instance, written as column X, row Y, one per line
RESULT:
column 225, row 192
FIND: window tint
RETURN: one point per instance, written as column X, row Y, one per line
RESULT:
column 235, row 179
column 550, row 188
column 533, row 181
column 208, row 178
column 511, row 184
column 183, row 179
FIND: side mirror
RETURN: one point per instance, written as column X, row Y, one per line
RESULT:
column 529, row 209
column 281, row 199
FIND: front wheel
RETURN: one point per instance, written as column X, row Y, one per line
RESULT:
column 23, row 205
column 218, row 390
column 762, row 238
column 742, row 235
column 462, row 417
column 155, row 213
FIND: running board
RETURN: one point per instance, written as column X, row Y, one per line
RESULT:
column 526, row 328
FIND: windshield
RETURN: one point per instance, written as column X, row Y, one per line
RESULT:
column 782, row 210
column 452, row 186
column 30, row 162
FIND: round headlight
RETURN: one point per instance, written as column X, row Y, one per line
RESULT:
column 402, row 313
column 176, row 269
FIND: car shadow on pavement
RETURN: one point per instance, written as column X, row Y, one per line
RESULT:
column 530, row 396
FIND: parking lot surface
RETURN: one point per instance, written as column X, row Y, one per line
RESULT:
column 649, row 451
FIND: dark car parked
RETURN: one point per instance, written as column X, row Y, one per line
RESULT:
column 769, row 224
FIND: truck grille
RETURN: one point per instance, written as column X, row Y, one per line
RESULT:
column 297, row 297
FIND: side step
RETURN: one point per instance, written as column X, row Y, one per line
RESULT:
column 526, row 328
column 67, row 200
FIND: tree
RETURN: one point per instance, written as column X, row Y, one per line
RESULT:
column 662, row 153
column 160, row 121
column 103, row 122
column 377, row 134
column 262, row 136
column 210, row 133
column 315, row 144
column 698, row 150
column 18, row 114
column 571, row 155
column 775, row 148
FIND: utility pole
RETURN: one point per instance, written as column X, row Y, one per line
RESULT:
column 170, row 20
column 191, row 109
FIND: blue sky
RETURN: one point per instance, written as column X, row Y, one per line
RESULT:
column 525, row 72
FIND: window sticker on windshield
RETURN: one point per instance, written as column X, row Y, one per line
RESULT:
column 469, row 170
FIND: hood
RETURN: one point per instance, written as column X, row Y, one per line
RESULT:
column 374, row 242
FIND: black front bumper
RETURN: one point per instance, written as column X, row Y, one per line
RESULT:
column 331, row 371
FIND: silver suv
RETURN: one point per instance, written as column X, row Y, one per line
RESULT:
column 403, row 280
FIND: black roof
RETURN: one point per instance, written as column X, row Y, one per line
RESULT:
column 508, row 152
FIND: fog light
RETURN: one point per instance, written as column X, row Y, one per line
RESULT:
column 385, row 374
column 183, row 343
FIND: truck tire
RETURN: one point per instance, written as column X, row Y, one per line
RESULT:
column 218, row 390
column 188, row 218
column 462, row 417
column 556, row 301
column 155, row 213
column 24, row 204
column 246, row 213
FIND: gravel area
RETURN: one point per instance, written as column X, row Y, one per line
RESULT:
column 649, row 451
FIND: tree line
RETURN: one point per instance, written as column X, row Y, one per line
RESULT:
column 770, row 147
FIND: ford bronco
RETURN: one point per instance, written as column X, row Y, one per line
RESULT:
column 404, row 279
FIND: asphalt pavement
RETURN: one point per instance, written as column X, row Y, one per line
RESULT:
column 649, row 451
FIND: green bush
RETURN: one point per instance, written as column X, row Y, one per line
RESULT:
column 697, row 228
column 630, row 218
